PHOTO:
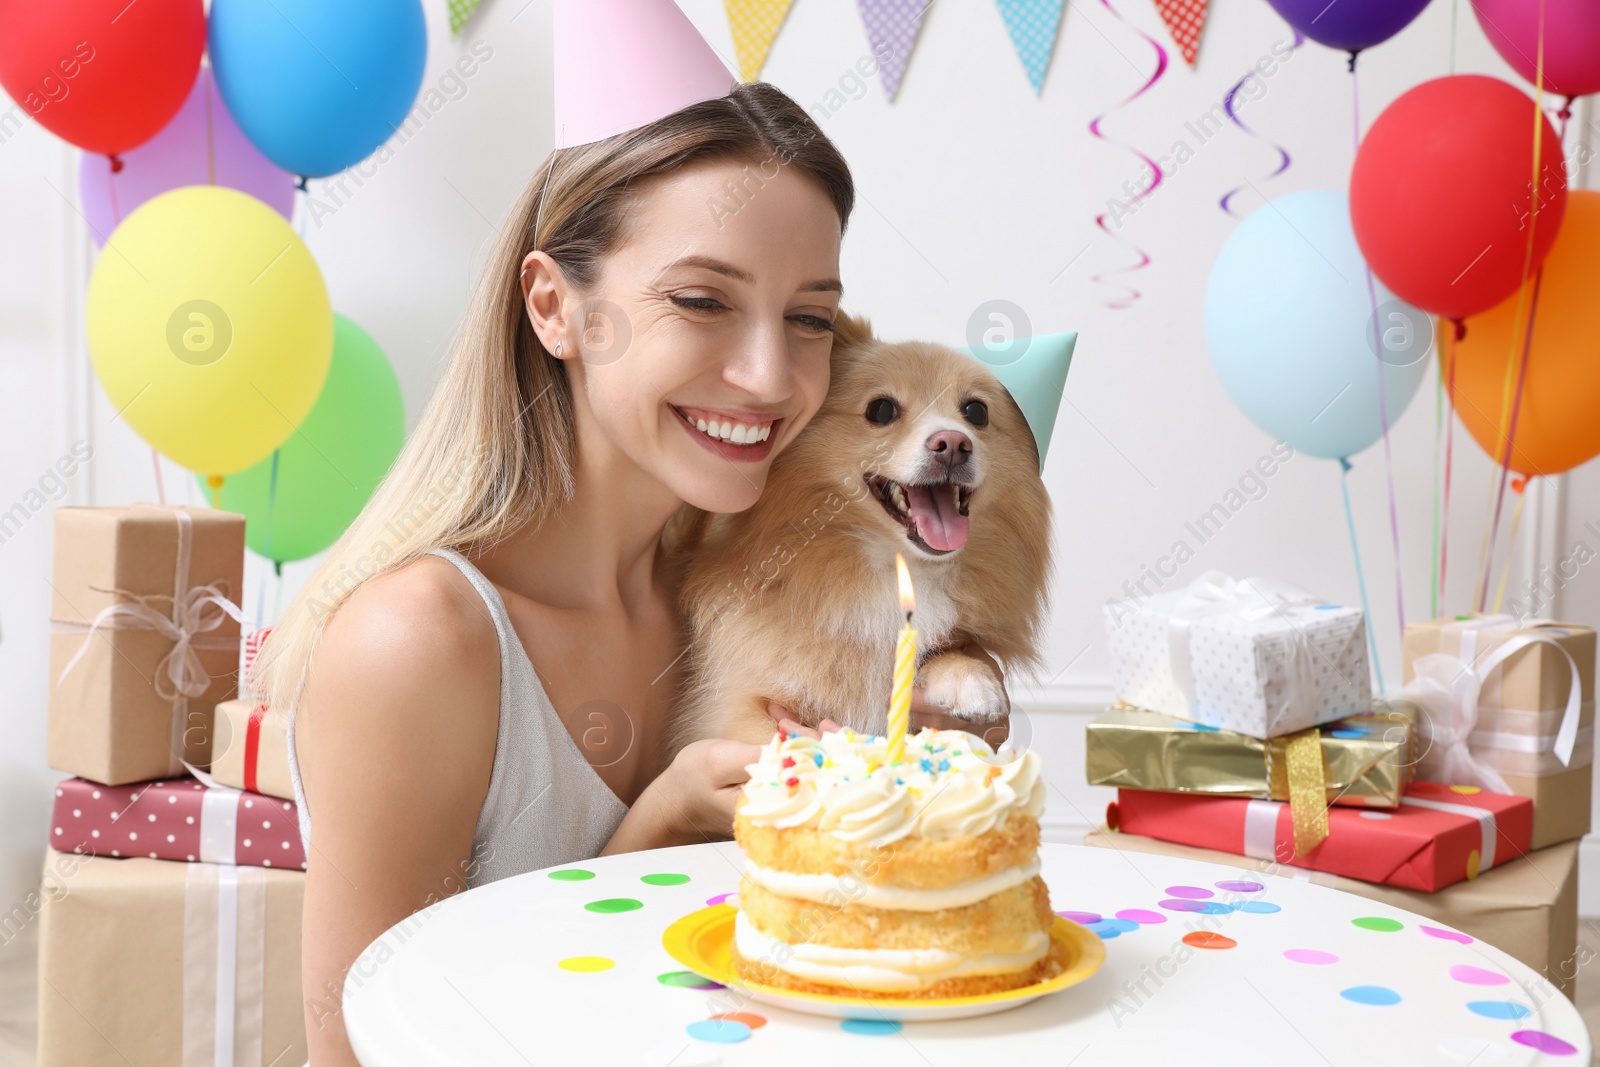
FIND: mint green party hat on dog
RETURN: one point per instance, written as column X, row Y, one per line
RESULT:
column 1034, row 372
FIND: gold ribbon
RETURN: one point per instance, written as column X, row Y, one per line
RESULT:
column 1295, row 769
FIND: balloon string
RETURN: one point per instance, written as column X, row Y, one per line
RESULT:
column 1233, row 116
column 1520, row 488
column 1133, row 295
column 1458, row 331
column 211, row 145
column 1454, row 7
column 1438, row 479
column 1361, row 580
column 1511, row 431
column 161, row 486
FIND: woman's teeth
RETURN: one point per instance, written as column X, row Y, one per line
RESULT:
column 737, row 433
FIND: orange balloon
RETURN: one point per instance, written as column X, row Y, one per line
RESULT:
column 1556, row 425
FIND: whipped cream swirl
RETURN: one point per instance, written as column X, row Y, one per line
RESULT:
column 945, row 784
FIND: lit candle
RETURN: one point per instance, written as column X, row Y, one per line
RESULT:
column 905, row 667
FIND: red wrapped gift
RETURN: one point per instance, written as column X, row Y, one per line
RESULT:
column 1438, row 836
column 176, row 819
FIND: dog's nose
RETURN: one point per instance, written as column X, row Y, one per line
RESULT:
column 950, row 447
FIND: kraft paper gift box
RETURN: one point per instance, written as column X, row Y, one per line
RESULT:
column 250, row 748
column 1439, row 835
column 1366, row 759
column 143, row 961
column 1258, row 657
column 1527, row 907
column 177, row 819
column 144, row 639
column 1522, row 696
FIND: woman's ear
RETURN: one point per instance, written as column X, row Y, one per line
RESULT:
column 545, row 297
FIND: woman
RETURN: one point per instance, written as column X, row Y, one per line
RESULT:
column 480, row 674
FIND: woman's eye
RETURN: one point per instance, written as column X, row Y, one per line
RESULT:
column 882, row 410
column 975, row 412
column 814, row 322
column 697, row 303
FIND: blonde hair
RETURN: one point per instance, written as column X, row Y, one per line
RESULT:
column 494, row 451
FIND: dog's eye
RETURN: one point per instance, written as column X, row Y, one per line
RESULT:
column 882, row 410
column 976, row 412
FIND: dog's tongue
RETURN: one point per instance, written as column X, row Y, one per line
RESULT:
column 939, row 524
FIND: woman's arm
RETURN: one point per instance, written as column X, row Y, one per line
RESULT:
column 396, row 736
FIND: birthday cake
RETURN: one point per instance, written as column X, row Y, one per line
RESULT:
column 914, row 877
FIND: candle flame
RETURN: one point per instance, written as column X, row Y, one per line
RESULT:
column 907, row 599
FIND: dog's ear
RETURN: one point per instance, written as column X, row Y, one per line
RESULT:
column 850, row 330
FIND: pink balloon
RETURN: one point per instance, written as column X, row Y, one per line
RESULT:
column 182, row 154
column 1571, row 40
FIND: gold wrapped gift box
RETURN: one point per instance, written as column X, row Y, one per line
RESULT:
column 1367, row 760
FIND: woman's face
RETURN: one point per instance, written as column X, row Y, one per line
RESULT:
column 704, row 346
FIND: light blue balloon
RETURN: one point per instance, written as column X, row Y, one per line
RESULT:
column 318, row 85
column 1289, row 323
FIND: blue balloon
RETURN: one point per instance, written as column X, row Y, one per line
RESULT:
column 318, row 85
column 1291, row 329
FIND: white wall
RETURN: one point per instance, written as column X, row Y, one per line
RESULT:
column 971, row 189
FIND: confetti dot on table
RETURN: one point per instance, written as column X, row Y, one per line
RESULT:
column 687, row 980
column 1314, row 956
column 586, row 964
column 1181, row 905
column 1499, row 1009
column 1084, row 917
column 1259, row 907
column 1382, row 925
column 571, row 874
column 1465, row 972
column 870, row 1027
column 753, row 1021
column 1376, row 815
column 1446, row 935
column 663, row 879
column 1214, row 907
column 1207, row 939
column 1189, row 892
column 718, row 1031
column 613, row 904
column 720, row 898
column 1473, row 1050
column 1546, row 1043
column 1376, row 995
column 1139, row 915
column 1114, row 926
column 1240, row 887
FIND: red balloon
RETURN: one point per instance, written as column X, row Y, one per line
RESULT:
column 1442, row 193
column 105, row 75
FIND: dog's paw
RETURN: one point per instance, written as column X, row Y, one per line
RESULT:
column 965, row 687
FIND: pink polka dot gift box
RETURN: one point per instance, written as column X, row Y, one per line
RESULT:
column 176, row 819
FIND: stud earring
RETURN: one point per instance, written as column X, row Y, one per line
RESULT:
column 558, row 349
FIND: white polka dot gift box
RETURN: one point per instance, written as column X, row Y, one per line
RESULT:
column 176, row 819
column 1256, row 656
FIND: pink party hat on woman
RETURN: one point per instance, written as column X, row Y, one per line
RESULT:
column 622, row 64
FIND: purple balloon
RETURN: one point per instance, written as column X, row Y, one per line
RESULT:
column 182, row 154
column 1349, row 25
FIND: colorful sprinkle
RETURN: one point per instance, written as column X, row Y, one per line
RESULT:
column 571, row 874
column 1378, row 923
column 1499, row 1009
column 1207, row 939
column 1139, row 915
column 1314, row 956
column 870, row 1027
column 1084, row 917
column 1259, row 907
column 1189, row 892
column 1446, row 935
column 1549, row 1044
column 791, row 782
column 754, row 1022
column 1376, row 995
column 1181, row 905
column 586, row 964
column 1465, row 972
column 663, row 879
column 611, row 905
column 687, row 980
column 1239, row 887
column 719, row 1031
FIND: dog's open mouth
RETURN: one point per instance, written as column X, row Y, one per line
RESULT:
column 934, row 514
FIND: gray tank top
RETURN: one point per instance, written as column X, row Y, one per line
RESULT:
column 546, row 805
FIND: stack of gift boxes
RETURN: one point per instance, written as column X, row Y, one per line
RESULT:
column 1246, row 727
column 170, row 922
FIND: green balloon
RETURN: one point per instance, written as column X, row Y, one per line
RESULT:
column 330, row 466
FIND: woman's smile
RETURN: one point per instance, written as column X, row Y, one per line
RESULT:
column 742, row 436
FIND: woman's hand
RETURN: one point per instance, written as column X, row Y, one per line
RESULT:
column 691, row 801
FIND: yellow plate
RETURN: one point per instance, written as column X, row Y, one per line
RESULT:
column 703, row 942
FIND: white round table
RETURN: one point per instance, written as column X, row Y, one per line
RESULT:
column 555, row 967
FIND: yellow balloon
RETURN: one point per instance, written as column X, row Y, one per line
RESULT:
column 210, row 327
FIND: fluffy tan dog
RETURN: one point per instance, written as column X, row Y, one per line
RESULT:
column 919, row 450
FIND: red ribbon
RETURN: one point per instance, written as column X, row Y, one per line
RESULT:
column 252, row 746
